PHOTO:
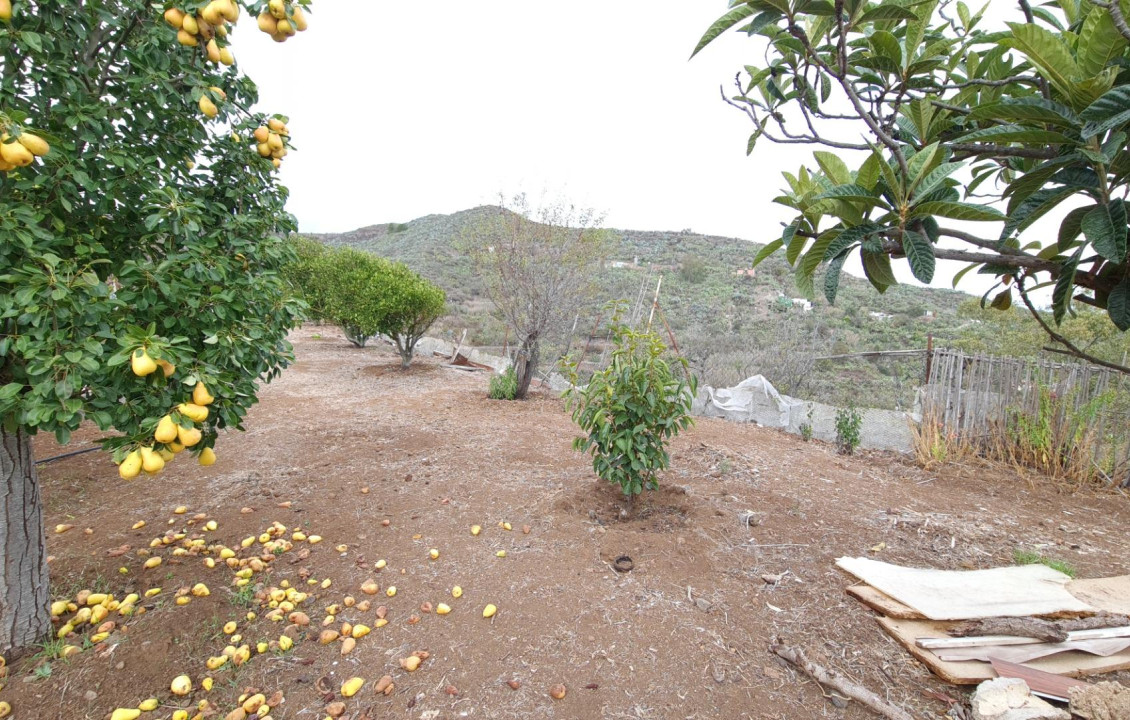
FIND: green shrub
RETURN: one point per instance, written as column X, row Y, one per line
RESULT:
column 503, row 386
column 631, row 409
column 848, row 423
column 365, row 295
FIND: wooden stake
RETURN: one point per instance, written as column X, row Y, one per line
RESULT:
column 654, row 303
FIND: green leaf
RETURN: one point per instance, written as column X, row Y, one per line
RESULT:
column 1034, row 208
column 1109, row 111
column 877, row 267
column 1003, row 300
column 855, row 193
column 1118, row 305
column 886, row 12
column 1028, row 109
column 1017, row 134
column 835, row 168
column 723, row 24
column 1099, row 42
column 920, row 254
column 812, row 259
column 794, row 242
column 1048, row 52
column 963, row 272
column 832, row 277
column 957, row 211
column 849, row 237
column 886, row 45
column 1070, row 228
column 1064, row 286
column 766, row 251
column 1105, row 228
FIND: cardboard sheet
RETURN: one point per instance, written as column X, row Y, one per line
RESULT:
column 971, row 594
column 1027, row 653
column 971, row 672
column 1111, row 594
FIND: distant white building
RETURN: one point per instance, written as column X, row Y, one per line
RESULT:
column 803, row 303
column 880, row 315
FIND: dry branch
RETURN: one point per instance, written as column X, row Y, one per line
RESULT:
column 836, row 681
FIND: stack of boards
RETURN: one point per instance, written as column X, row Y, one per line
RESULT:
column 918, row 607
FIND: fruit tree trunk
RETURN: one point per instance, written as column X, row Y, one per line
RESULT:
column 526, row 366
column 24, row 617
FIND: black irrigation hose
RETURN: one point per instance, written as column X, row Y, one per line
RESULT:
column 66, row 455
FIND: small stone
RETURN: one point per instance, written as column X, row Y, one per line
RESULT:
column 514, row 684
column 703, row 604
column 90, row 696
column 771, row 579
column 1010, row 699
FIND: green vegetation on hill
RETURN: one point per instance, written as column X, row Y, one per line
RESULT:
column 730, row 324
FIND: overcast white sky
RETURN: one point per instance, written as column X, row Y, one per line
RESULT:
column 403, row 108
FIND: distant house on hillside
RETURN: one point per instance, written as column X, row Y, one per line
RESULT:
column 746, row 272
column 633, row 265
column 803, row 303
column 881, row 316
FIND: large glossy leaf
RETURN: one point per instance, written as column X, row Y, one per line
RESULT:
column 812, row 259
column 849, row 237
column 1118, row 305
column 794, row 243
column 886, row 12
column 1048, row 52
column 723, row 24
column 886, row 45
column 1109, row 111
column 1070, row 228
column 1099, row 42
column 1034, row 208
column 877, row 267
column 1105, row 228
column 832, row 277
column 1017, row 134
column 766, row 251
column 1064, row 285
column 957, row 211
column 1028, row 109
column 835, row 168
column 920, row 254
column 852, row 193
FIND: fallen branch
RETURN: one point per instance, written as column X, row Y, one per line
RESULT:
column 837, row 682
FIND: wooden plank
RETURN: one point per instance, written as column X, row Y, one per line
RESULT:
column 986, row 640
column 972, row 672
column 1015, row 591
column 883, row 603
column 1045, row 684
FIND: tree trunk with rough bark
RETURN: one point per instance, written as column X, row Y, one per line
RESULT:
column 24, row 616
column 526, row 366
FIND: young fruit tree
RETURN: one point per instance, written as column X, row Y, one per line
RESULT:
column 141, row 221
column 538, row 267
column 365, row 295
column 934, row 120
column 631, row 409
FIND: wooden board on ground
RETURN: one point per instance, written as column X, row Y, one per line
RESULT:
column 972, row 672
column 882, row 603
column 1045, row 684
column 970, row 594
column 1111, row 594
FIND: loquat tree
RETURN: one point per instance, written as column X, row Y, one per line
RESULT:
column 142, row 227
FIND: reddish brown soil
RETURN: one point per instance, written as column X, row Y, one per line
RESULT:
column 683, row 635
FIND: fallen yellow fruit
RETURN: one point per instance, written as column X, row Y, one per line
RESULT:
column 391, row 591
column 216, row 662
column 125, row 714
column 350, row 687
column 442, row 609
column 152, row 563
column 500, row 553
column 201, row 590
column 433, row 554
column 206, row 683
column 457, row 592
column 475, row 530
column 285, row 643
column 149, row 705
column 181, row 685
column 489, row 611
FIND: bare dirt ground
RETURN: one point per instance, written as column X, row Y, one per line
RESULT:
column 685, row 634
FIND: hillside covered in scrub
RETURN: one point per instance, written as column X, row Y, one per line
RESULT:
column 730, row 321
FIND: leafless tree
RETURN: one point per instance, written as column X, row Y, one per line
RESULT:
column 539, row 266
